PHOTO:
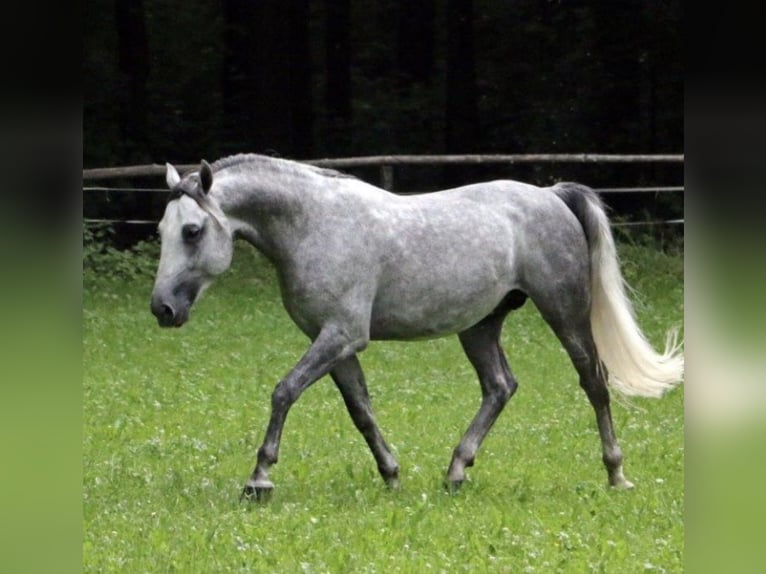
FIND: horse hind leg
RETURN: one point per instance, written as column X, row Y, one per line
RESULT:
column 577, row 339
column 593, row 381
column 349, row 378
column 481, row 344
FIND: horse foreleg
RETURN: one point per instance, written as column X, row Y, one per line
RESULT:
column 349, row 378
column 328, row 349
column 481, row 344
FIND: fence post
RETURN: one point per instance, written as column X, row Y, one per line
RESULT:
column 387, row 175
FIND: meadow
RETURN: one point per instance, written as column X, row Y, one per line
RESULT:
column 172, row 420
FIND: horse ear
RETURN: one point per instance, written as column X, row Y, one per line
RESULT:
column 206, row 176
column 171, row 176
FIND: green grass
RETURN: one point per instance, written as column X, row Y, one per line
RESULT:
column 172, row 420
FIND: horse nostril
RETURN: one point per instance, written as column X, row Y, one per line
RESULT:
column 164, row 312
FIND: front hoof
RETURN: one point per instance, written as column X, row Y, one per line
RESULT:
column 257, row 491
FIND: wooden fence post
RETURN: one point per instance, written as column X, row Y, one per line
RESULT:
column 387, row 175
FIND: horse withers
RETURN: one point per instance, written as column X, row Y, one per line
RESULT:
column 357, row 263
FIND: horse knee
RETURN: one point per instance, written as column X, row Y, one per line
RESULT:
column 282, row 397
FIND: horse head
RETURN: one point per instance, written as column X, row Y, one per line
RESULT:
column 196, row 245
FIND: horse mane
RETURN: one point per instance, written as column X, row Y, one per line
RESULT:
column 257, row 161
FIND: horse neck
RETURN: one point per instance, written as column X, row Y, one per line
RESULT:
column 264, row 209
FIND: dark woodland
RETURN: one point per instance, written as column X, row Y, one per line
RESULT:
column 180, row 81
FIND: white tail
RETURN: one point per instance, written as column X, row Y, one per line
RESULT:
column 635, row 368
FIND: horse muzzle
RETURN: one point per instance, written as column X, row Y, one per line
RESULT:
column 173, row 310
column 169, row 315
column 171, row 303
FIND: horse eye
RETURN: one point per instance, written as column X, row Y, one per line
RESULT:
column 191, row 232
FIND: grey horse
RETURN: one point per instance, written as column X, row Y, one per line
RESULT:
column 356, row 263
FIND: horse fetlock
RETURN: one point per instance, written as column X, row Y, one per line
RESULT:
column 613, row 460
column 456, row 471
column 464, row 454
column 267, row 456
column 389, row 470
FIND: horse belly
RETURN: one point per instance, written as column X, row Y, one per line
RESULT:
column 424, row 309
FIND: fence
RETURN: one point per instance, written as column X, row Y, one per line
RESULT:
column 386, row 164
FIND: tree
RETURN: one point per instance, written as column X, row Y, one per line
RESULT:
column 338, row 75
column 266, row 81
column 415, row 43
column 133, row 66
column 413, row 108
column 299, row 91
column 461, row 108
column 619, row 42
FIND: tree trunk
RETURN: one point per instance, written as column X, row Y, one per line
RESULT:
column 299, row 92
column 266, row 84
column 338, row 66
column 415, row 42
column 461, row 110
column 133, row 65
column 240, row 82
column 619, row 41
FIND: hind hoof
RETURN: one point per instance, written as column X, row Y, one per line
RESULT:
column 617, row 479
column 619, row 482
column 393, row 483
column 257, row 491
column 452, row 486
column 623, row 485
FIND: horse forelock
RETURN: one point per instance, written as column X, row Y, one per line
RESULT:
column 189, row 186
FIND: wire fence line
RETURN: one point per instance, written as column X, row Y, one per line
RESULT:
column 648, row 189
column 386, row 165
column 108, row 190
column 97, row 221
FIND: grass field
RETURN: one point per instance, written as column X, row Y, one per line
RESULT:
column 172, row 420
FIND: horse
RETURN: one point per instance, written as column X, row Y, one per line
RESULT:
column 356, row 263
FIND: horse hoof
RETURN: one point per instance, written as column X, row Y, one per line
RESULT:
column 393, row 483
column 452, row 486
column 622, row 484
column 257, row 491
